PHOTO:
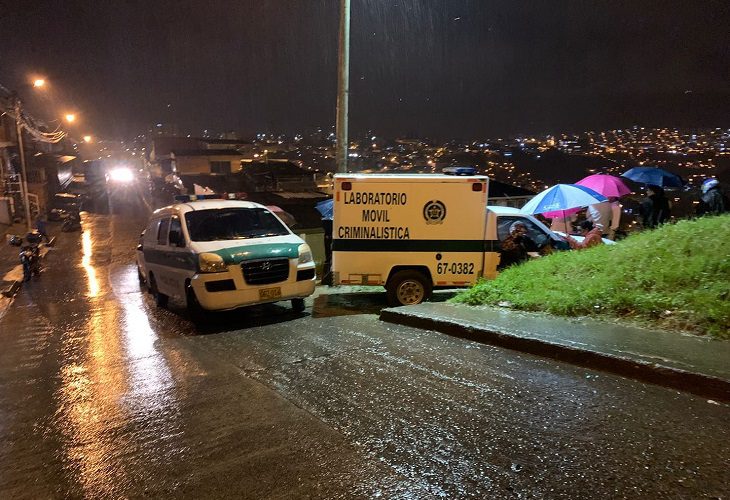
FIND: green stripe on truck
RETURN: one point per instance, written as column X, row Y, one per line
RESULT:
column 414, row 246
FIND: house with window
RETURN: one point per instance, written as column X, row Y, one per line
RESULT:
column 196, row 156
column 206, row 161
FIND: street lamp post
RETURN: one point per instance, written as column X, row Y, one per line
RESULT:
column 343, row 87
column 21, row 152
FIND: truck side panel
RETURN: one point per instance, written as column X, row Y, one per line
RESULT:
column 386, row 221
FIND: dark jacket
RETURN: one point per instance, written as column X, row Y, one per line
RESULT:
column 712, row 203
column 654, row 210
column 514, row 250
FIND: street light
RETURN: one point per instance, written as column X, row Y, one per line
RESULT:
column 70, row 117
column 39, row 82
column 87, row 139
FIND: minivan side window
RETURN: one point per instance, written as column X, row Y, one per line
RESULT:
column 176, row 235
column 150, row 234
column 535, row 233
column 162, row 232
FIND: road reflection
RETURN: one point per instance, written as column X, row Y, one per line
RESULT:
column 92, row 386
column 115, row 378
column 87, row 249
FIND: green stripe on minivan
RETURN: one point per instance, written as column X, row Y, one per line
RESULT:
column 236, row 255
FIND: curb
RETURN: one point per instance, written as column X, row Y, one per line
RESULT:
column 674, row 378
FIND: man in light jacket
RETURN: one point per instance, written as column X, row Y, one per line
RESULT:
column 606, row 216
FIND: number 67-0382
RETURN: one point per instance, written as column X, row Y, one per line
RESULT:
column 455, row 268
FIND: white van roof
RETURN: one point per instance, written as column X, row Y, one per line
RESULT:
column 212, row 204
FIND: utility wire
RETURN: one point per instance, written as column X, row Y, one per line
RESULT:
column 28, row 122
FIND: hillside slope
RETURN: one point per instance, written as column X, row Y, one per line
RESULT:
column 677, row 277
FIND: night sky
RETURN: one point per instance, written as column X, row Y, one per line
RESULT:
column 437, row 68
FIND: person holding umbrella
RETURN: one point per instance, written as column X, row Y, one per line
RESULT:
column 607, row 215
column 712, row 201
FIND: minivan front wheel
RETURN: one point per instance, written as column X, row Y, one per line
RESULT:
column 195, row 310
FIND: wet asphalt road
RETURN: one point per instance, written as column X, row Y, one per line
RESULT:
column 104, row 395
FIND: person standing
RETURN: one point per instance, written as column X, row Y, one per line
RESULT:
column 600, row 215
column 654, row 208
column 712, row 201
column 615, row 217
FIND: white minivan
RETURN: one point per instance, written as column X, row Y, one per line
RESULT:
column 219, row 254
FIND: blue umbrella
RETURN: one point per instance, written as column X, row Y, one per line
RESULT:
column 653, row 175
column 326, row 208
column 562, row 197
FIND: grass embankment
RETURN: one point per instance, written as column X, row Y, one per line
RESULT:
column 675, row 277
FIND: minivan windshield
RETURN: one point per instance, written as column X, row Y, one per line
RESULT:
column 232, row 224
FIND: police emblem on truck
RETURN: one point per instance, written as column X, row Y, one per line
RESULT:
column 434, row 212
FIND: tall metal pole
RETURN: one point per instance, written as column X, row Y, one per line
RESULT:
column 23, row 175
column 343, row 86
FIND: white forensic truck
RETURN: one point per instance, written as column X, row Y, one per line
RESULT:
column 415, row 232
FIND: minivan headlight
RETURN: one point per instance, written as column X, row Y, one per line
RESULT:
column 305, row 254
column 211, row 263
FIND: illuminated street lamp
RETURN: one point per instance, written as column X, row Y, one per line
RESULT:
column 70, row 117
column 87, row 139
column 39, row 82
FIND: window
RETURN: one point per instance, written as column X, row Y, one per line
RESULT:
column 220, row 167
column 533, row 232
column 176, row 235
column 232, row 224
column 150, row 233
column 162, row 232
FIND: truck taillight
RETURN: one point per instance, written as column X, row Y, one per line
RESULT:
column 346, row 186
column 477, row 186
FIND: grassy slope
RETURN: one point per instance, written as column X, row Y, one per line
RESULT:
column 675, row 277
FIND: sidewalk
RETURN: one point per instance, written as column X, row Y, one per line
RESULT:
column 694, row 364
column 11, row 271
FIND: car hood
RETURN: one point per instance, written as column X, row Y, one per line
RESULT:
column 236, row 251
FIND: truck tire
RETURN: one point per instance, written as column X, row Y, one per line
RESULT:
column 408, row 287
column 160, row 298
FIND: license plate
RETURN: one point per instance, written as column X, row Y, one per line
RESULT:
column 270, row 293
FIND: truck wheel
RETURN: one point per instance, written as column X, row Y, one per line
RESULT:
column 195, row 310
column 407, row 288
column 160, row 298
column 297, row 305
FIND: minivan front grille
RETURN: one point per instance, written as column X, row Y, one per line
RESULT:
column 264, row 272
